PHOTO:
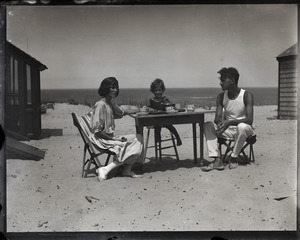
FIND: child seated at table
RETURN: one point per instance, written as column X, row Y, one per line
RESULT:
column 159, row 102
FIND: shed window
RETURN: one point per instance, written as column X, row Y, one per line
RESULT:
column 28, row 77
column 13, row 82
column 16, row 76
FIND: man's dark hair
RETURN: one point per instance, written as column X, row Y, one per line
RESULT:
column 106, row 84
column 230, row 73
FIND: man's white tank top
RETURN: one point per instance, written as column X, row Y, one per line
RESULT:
column 234, row 109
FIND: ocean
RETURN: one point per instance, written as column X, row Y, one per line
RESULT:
column 200, row 97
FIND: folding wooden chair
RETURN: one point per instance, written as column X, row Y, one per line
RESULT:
column 158, row 146
column 94, row 153
column 229, row 143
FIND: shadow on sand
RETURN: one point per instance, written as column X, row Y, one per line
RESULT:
column 167, row 164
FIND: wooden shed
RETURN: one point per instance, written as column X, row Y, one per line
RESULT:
column 287, row 83
column 22, row 93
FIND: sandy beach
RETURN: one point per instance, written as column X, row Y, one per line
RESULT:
column 50, row 195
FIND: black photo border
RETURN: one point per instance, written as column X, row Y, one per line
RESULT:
column 216, row 235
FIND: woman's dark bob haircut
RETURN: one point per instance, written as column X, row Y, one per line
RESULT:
column 106, row 84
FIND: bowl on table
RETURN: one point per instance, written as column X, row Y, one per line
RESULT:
column 143, row 111
column 169, row 107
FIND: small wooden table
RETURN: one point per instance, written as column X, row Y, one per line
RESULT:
column 193, row 118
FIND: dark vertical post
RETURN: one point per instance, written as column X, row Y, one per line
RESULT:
column 201, row 136
column 2, row 98
column 195, row 143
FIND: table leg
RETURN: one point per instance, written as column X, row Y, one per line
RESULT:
column 195, row 143
column 138, row 128
column 201, row 135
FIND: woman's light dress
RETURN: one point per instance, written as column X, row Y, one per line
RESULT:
column 102, row 118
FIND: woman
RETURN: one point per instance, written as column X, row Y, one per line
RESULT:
column 128, row 149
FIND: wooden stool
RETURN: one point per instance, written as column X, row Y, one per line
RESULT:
column 158, row 146
column 229, row 143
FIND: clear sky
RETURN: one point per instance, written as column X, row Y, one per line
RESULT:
column 185, row 45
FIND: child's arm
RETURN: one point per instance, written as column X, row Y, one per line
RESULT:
column 152, row 104
column 165, row 100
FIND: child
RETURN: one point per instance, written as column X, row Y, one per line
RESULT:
column 159, row 102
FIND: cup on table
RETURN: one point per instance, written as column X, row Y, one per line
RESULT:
column 190, row 107
column 177, row 106
column 144, row 109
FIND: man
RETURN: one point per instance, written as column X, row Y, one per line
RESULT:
column 233, row 119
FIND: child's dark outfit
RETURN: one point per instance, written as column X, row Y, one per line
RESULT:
column 160, row 105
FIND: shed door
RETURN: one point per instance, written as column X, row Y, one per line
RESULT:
column 14, row 94
column 32, row 103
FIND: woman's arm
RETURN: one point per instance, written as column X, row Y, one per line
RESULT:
column 117, row 110
column 98, row 123
column 129, row 109
column 103, row 135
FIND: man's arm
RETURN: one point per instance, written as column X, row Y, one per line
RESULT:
column 219, row 109
column 249, row 102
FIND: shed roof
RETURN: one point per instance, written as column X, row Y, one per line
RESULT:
column 17, row 50
column 292, row 51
